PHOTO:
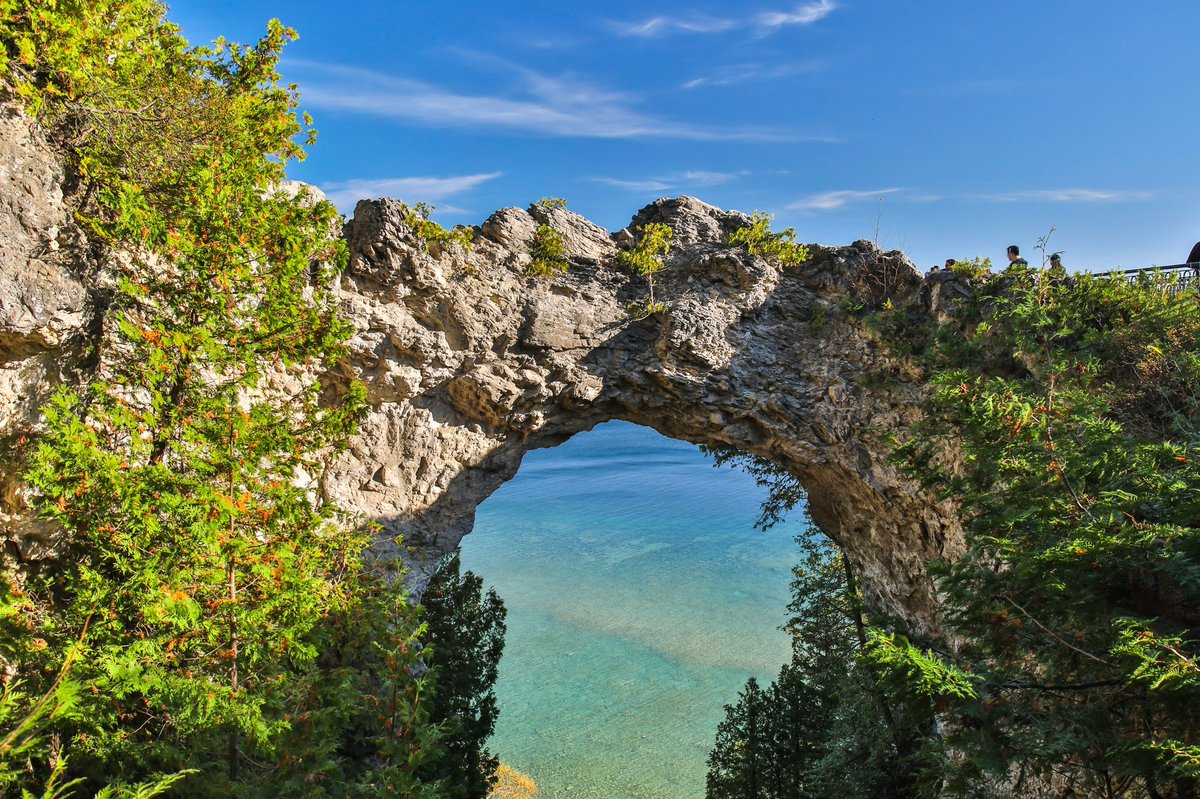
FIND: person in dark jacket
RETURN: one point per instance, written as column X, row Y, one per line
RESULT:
column 1014, row 256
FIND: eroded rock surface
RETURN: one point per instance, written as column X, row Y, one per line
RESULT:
column 44, row 303
column 470, row 364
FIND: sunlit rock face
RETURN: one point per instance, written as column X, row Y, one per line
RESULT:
column 470, row 364
column 46, row 304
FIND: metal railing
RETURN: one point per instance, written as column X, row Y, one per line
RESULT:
column 1178, row 277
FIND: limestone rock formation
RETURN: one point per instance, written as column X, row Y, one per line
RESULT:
column 42, row 296
column 470, row 364
column 45, row 306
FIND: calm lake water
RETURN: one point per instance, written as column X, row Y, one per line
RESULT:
column 640, row 598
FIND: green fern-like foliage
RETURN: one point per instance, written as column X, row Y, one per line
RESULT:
column 1075, row 404
column 759, row 239
column 975, row 268
column 552, row 202
column 549, row 253
column 640, row 309
column 432, row 235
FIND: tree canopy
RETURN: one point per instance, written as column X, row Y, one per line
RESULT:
column 208, row 609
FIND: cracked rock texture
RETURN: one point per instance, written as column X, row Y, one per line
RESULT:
column 469, row 364
column 45, row 306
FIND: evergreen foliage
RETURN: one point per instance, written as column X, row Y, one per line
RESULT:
column 645, row 258
column 466, row 634
column 26, row 721
column 824, row 728
column 1076, row 404
column 975, row 268
column 549, row 253
column 759, row 239
column 431, row 234
column 209, row 610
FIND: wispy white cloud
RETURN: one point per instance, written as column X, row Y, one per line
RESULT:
column 833, row 200
column 744, row 73
column 764, row 23
column 805, row 14
column 676, row 180
column 344, row 194
column 663, row 25
column 699, row 177
column 1068, row 196
column 648, row 184
column 544, row 105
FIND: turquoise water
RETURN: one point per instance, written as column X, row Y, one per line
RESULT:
column 639, row 598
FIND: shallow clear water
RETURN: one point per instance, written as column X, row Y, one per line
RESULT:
column 639, row 598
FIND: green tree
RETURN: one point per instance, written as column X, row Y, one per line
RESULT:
column 466, row 635
column 759, row 239
column 361, row 726
column 826, row 727
column 645, row 258
column 430, row 234
column 1075, row 405
column 740, row 758
column 200, row 575
column 33, row 761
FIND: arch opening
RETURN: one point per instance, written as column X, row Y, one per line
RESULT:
column 470, row 363
column 640, row 599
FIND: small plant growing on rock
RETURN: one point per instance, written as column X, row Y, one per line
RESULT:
column 761, row 240
column 640, row 309
column 549, row 253
column 647, row 257
column 430, row 233
column 552, row 202
column 975, row 269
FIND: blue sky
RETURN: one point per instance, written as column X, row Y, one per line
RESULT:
column 947, row 128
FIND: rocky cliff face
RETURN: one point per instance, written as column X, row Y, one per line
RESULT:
column 470, row 364
column 46, row 308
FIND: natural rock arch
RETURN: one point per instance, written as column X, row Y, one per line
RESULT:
column 470, row 364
